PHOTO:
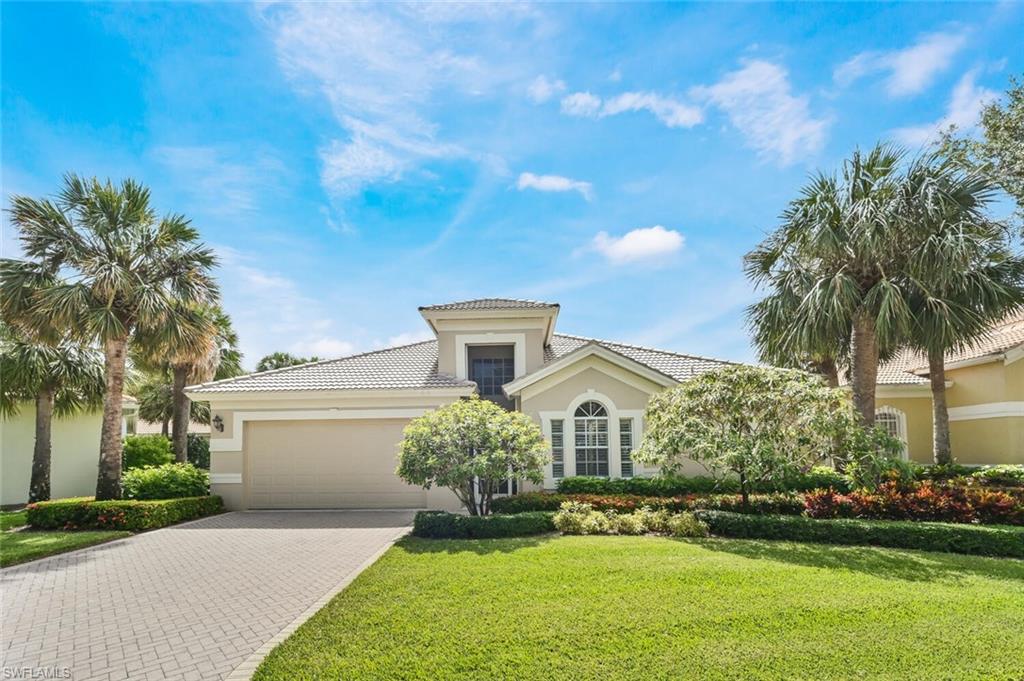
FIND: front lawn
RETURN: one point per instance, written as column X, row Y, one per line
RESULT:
column 12, row 519
column 18, row 547
column 646, row 607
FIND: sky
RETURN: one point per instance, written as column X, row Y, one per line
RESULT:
column 351, row 162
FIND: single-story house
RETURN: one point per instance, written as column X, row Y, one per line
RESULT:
column 325, row 434
column 984, row 393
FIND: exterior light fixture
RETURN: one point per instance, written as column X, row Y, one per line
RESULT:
column 218, row 423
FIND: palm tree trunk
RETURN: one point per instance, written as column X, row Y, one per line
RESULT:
column 179, row 431
column 941, row 449
column 165, row 428
column 830, row 371
column 39, row 487
column 864, row 374
column 108, row 482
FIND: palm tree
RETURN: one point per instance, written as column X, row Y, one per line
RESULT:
column 845, row 235
column 128, row 272
column 62, row 378
column 281, row 360
column 963, row 273
column 156, row 404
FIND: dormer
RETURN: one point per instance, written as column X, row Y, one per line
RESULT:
column 491, row 341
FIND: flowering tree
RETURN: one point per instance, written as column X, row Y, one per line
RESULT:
column 760, row 424
column 470, row 446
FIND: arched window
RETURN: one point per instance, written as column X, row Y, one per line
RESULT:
column 591, row 421
column 894, row 422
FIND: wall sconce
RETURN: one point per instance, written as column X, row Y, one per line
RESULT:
column 218, row 423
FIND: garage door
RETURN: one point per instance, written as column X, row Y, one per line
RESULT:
column 327, row 464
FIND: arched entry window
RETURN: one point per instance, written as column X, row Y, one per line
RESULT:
column 591, row 425
column 894, row 422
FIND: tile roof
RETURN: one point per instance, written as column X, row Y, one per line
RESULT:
column 897, row 371
column 410, row 367
column 673, row 364
column 492, row 304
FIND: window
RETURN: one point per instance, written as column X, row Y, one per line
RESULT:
column 557, row 449
column 591, row 421
column 490, row 374
column 894, row 422
column 626, row 447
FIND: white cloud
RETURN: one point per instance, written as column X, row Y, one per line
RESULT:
column 542, row 89
column 220, row 181
column 554, row 183
column 645, row 243
column 911, row 69
column 323, row 347
column 671, row 112
column 616, row 75
column 348, row 166
column 964, row 108
column 759, row 102
column 581, row 104
column 408, row 338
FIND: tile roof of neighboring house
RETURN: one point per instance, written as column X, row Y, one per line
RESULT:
column 673, row 364
column 908, row 365
column 410, row 367
column 492, row 304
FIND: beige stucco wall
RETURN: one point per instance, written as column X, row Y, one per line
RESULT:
column 447, row 344
column 918, row 412
column 74, row 455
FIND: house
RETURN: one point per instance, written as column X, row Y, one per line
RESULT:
column 984, row 393
column 325, row 434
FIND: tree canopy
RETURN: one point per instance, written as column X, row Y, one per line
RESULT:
column 280, row 360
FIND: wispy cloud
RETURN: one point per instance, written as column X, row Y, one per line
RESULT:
column 910, row 70
column 221, row 181
column 642, row 244
column 966, row 103
column 670, row 111
column 554, row 183
column 542, row 89
column 759, row 101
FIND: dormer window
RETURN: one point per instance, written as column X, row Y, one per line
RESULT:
column 491, row 367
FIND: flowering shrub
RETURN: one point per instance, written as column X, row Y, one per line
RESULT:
column 924, row 501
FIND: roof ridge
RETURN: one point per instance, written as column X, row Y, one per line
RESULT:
column 646, row 347
column 477, row 300
column 304, row 365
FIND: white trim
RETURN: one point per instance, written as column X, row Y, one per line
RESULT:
column 225, row 478
column 969, row 362
column 991, row 410
column 463, row 340
column 1014, row 354
column 235, row 442
column 919, row 390
column 588, row 350
column 901, row 425
column 207, row 394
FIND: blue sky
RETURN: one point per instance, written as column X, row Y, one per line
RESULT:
column 351, row 162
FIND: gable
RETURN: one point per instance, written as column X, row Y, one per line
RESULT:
column 591, row 373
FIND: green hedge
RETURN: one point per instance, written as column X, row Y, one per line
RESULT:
column 820, row 477
column 87, row 514
column 443, row 525
column 971, row 539
column 781, row 503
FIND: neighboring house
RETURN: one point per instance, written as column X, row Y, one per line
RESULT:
column 136, row 426
column 74, row 453
column 325, row 434
column 985, row 395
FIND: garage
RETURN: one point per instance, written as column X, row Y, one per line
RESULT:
column 327, row 464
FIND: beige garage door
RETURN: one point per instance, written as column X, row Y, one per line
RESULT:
column 327, row 464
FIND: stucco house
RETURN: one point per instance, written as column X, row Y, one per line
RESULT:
column 985, row 395
column 325, row 434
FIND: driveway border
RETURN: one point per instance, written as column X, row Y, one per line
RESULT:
column 247, row 668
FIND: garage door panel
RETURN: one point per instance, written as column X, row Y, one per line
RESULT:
column 327, row 464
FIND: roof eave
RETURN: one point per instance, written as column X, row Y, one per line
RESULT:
column 515, row 387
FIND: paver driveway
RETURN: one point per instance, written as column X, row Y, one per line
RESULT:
column 187, row 602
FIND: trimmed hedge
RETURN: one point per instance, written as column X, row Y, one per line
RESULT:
column 444, row 525
column 819, row 477
column 133, row 515
column 970, row 539
column 787, row 504
column 169, row 481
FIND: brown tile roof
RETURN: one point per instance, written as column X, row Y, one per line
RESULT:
column 673, row 364
column 409, row 367
column 492, row 304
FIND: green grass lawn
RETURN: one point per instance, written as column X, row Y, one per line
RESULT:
column 17, row 547
column 658, row 608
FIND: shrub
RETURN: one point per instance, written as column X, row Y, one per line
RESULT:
column 626, row 503
column 778, row 503
column 626, row 523
column 444, row 525
column 868, row 472
column 146, row 450
column 170, row 481
column 87, row 514
column 970, row 539
column 941, row 472
column 924, row 502
column 576, row 517
column 686, row 525
column 1000, row 476
column 199, row 450
column 819, row 477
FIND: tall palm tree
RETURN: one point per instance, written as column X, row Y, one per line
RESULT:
column 844, row 232
column 62, row 378
column 127, row 272
column 963, row 274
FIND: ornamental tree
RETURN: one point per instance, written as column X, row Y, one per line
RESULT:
column 470, row 446
column 759, row 424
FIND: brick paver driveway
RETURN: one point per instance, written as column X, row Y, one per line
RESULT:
column 187, row 602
